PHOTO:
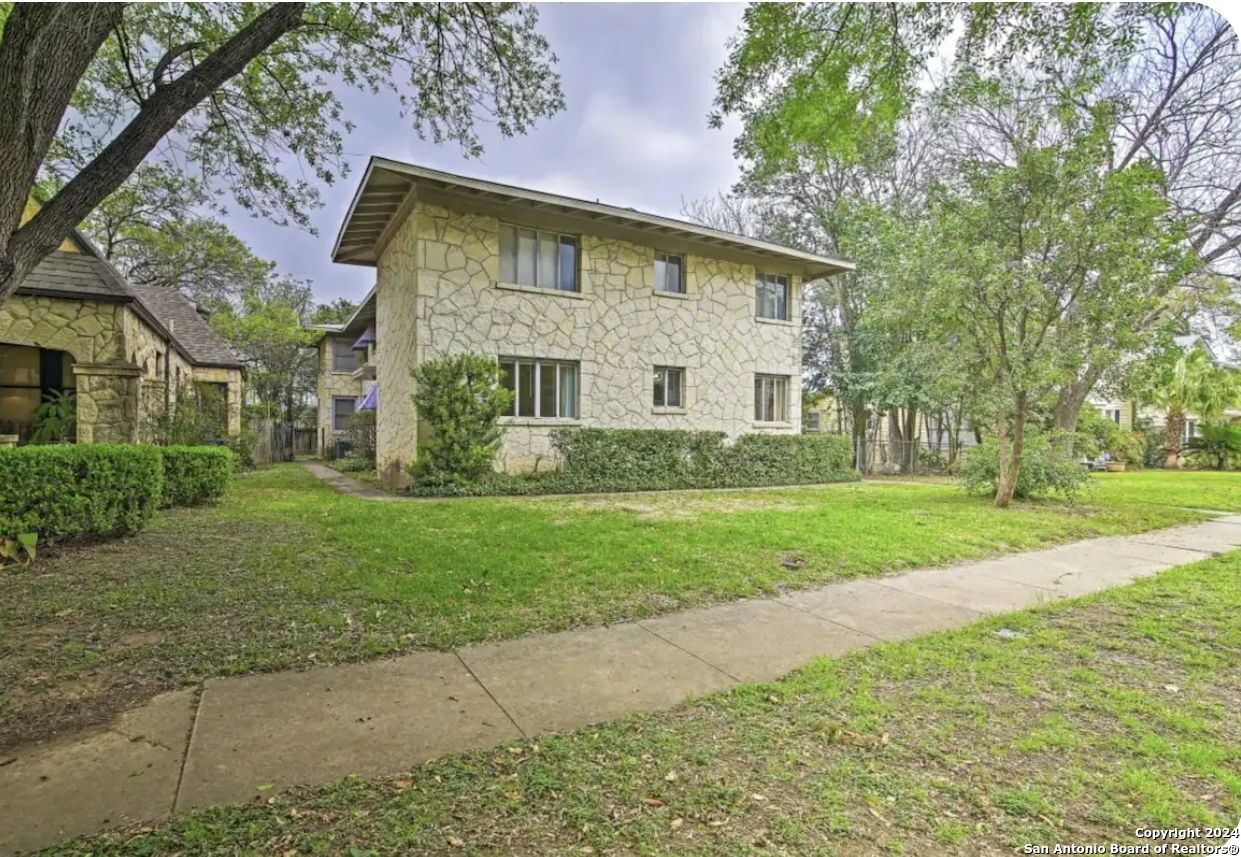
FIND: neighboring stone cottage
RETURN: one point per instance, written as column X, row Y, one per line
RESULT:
column 76, row 325
column 598, row 315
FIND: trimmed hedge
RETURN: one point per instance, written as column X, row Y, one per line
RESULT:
column 66, row 492
column 598, row 460
column 194, row 475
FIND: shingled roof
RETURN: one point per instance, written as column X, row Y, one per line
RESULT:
column 88, row 276
column 186, row 326
column 76, row 275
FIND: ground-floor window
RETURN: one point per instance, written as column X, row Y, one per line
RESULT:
column 1189, row 429
column 342, row 409
column 669, row 387
column 771, row 398
column 29, row 376
column 542, row 389
column 1112, row 414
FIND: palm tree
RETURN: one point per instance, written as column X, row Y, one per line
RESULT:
column 1195, row 384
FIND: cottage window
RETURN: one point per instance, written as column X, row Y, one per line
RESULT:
column 342, row 409
column 669, row 273
column 534, row 257
column 542, row 389
column 772, row 299
column 771, row 398
column 1112, row 414
column 344, row 358
column 669, row 387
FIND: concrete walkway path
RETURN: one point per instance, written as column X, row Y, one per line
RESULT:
column 236, row 738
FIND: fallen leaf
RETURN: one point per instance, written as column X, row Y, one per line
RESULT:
column 654, row 802
column 676, row 823
column 402, row 784
column 456, row 842
column 670, row 777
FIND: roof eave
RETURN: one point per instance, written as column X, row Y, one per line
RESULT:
column 363, row 251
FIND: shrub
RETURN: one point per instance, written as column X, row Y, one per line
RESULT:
column 1046, row 468
column 1125, row 446
column 460, row 400
column 1218, row 445
column 68, row 492
column 597, row 460
column 353, row 464
column 360, row 435
column 194, row 475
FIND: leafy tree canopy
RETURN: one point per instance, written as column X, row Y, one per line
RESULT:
column 245, row 98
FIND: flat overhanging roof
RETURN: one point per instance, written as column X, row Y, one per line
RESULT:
column 390, row 188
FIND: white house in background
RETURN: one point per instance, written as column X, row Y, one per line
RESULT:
column 598, row 315
column 1128, row 414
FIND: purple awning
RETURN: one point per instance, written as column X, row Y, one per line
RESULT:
column 371, row 400
column 365, row 339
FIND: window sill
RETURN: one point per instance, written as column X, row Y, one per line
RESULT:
column 783, row 322
column 538, row 290
column 673, row 411
column 681, row 296
column 539, row 422
column 779, row 424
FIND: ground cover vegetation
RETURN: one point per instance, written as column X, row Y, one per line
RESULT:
column 284, row 572
column 1085, row 721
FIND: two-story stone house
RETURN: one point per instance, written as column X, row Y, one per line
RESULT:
column 598, row 315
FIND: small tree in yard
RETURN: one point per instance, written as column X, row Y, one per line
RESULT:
column 461, row 399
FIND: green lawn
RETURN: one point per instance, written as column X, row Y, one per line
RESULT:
column 1107, row 714
column 285, row 572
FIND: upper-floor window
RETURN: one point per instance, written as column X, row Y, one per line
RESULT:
column 534, row 257
column 771, row 395
column 669, row 387
column 669, row 273
column 542, row 389
column 773, row 296
column 344, row 358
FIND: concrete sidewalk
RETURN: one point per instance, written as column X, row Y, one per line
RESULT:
column 240, row 737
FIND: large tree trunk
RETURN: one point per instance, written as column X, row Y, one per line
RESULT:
column 910, row 462
column 44, row 51
column 860, row 444
column 1069, row 402
column 1173, row 427
column 1010, row 451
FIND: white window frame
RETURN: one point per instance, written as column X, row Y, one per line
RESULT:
column 337, row 340
column 1188, row 429
column 764, row 279
column 780, row 390
column 680, row 374
column 336, row 426
column 539, row 235
column 538, row 364
column 1112, row 414
column 680, row 285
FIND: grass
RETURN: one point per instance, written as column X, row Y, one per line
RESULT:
column 1107, row 714
column 287, row 573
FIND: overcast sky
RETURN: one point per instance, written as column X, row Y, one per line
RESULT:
column 638, row 81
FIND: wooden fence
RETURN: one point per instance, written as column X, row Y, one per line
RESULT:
column 273, row 441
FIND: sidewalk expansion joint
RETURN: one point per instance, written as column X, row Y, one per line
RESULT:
column 490, row 695
column 693, row 655
column 199, row 692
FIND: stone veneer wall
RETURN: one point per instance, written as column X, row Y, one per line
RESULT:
column 116, row 369
column 438, row 294
column 231, row 378
column 331, row 384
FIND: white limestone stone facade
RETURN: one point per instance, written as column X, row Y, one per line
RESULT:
column 438, row 293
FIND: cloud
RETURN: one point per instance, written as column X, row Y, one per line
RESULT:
column 617, row 129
